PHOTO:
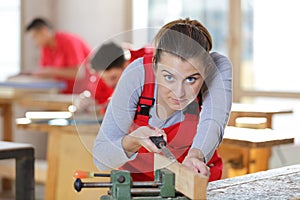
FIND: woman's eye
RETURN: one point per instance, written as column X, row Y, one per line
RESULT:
column 169, row 78
column 191, row 80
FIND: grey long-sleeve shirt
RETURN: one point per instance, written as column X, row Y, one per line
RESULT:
column 108, row 151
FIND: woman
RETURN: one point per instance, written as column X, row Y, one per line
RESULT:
column 163, row 95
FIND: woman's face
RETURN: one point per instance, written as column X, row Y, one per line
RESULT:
column 179, row 81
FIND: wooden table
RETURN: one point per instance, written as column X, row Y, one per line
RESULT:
column 248, row 150
column 281, row 183
column 57, row 102
column 68, row 149
column 31, row 100
column 24, row 156
column 253, row 110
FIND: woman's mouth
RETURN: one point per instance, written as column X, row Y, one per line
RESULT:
column 178, row 101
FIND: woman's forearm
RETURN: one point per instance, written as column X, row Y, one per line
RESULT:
column 130, row 145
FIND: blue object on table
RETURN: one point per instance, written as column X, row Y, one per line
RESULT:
column 35, row 85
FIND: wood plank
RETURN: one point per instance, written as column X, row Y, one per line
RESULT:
column 188, row 182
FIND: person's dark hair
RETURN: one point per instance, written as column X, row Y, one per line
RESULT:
column 37, row 24
column 108, row 56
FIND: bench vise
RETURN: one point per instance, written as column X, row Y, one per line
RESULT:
column 121, row 186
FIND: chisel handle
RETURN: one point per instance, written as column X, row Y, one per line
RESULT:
column 158, row 141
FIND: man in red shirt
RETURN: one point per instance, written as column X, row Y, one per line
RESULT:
column 61, row 53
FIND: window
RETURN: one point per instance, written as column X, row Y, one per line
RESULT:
column 274, row 66
column 10, row 38
column 270, row 74
column 269, row 70
column 212, row 13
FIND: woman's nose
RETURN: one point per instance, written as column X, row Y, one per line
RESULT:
column 179, row 91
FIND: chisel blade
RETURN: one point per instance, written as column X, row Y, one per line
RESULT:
column 161, row 144
column 168, row 154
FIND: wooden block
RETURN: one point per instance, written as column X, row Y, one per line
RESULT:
column 188, row 182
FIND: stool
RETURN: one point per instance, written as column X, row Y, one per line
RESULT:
column 24, row 156
column 251, row 122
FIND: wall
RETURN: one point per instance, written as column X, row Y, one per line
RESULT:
column 29, row 10
column 94, row 20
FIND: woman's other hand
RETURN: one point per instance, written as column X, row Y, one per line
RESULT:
column 195, row 161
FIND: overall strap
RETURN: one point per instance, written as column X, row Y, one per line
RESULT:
column 146, row 100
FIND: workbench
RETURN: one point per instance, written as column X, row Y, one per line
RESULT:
column 24, row 156
column 281, row 183
column 254, row 110
column 245, row 150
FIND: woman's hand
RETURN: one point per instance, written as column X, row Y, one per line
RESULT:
column 140, row 138
column 195, row 161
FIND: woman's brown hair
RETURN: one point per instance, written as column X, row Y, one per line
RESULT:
column 184, row 38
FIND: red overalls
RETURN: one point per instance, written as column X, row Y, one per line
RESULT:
column 179, row 136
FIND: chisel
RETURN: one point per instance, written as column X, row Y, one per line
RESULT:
column 161, row 144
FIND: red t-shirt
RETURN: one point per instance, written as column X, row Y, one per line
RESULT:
column 69, row 51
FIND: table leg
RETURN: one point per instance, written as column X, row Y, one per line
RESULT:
column 7, row 122
column 7, row 135
column 25, row 176
column 269, row 121
column 53, row 150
